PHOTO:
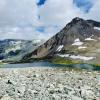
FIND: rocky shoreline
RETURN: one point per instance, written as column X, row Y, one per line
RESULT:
column 49, row 84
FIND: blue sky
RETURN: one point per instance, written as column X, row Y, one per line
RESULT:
column 28, row 19
column 85, row 5
column 41, row 2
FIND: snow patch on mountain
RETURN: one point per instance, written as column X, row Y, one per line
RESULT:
column 98, row 28
column 64, row 55
column 77, row 42
column 76, row 57
column 0, row 61
column 82, row 47
column 90, row 39
column 81, row 57
column 17, row 47
column 37, row 41
column 60, row 48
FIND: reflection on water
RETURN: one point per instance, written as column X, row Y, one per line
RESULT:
column 48, row 64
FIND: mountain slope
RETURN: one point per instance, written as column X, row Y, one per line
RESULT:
column 77, row 40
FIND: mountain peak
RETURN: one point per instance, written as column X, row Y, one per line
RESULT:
column 78, row 29
column 89, row 22
column 77, row 19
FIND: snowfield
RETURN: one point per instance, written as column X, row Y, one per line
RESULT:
column 60, row 48
column 81, row 57
column 98, row 28
column 90, row 39
column 76, row 57
column 77, row 42
column 82, row 47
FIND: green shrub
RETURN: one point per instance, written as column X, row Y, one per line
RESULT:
column 60, row 60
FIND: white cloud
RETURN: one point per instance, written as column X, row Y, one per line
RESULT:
column 54, row 15
column 2, row 5
column 95, row 11
column 19, row 33
column 18, row 12
column 58, row 12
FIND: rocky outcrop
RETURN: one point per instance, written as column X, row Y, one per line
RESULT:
column 94, row 23
column 77, row 28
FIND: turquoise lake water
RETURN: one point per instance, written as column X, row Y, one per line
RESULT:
column 48, row 64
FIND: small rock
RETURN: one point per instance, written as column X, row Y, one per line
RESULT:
column 21, row 90
column 51, row 91
column 87, row 92
column 76, row 98
column 6, row 97
column 9, row 82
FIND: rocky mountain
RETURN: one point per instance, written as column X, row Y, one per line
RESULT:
column 78, row 41
column 14, row 49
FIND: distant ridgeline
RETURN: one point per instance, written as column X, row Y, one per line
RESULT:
column 15, row 49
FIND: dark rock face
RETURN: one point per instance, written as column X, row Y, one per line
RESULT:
column 77, row 28
column 95, row 23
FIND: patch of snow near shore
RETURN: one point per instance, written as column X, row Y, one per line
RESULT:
column 81, row 57
column 98, row 28
column 60, row 48
column 64, row 55
column 82, row 47
column 77, row 42
column 76, row 57
column 0, row 61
